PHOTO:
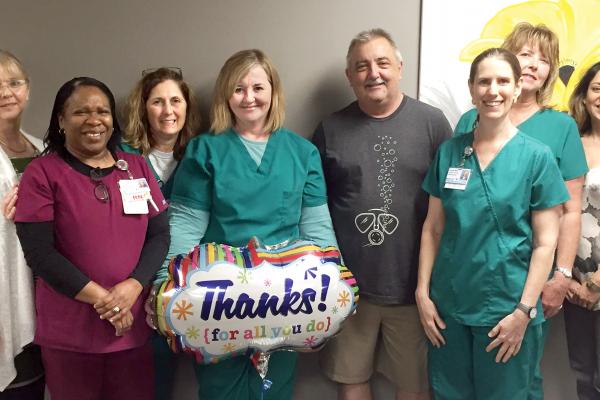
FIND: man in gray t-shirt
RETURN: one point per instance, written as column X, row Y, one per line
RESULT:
column 375, row 154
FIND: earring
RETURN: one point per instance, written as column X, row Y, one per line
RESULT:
column 61, row 131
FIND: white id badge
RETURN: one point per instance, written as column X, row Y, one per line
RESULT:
column 457, row 178
column 134, row 193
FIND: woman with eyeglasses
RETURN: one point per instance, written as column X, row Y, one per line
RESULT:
column 248, row 177
column 93, row 225
column 161, row 119
column 21, row 371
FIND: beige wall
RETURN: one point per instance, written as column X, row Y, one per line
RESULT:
column 115, row 40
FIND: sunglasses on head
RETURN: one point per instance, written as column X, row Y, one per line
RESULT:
column 177, row 70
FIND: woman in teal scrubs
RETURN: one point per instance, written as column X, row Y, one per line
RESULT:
column 162, row 117
column 487, row 245
column 248, row 177
column 536, row 47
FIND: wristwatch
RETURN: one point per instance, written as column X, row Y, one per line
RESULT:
column 565, row 271
column 592, row 286
column 531, row 312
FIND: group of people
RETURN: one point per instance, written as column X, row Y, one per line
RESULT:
column 462, row 246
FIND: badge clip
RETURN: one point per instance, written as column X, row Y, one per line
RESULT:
column 123, row 166
column 466, row 154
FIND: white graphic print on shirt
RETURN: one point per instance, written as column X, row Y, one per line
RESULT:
column 378, row 222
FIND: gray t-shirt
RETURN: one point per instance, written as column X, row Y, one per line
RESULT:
column 374, row 168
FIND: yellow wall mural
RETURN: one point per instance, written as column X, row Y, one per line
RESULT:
column 575, row 22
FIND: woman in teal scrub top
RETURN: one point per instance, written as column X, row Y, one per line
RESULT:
column 487, row 245
column 536, row 48
column 248, row 177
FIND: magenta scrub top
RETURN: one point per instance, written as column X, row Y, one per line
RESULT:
column 97, row 237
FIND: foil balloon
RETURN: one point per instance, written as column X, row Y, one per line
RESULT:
column 221, row 301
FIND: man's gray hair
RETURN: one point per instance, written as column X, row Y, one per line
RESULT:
column 366, row 36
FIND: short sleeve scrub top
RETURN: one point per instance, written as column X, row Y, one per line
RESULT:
column 553, row 128
column 218, row 175
column 484, row 253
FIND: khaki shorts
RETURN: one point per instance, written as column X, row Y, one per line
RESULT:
column 390, row 338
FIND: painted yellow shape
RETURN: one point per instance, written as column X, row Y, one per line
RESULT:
column 575, row 22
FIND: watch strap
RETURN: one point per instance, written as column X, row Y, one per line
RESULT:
column 565, row 271
column 527, row 310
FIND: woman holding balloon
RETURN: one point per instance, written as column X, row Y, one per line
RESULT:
column 248, row 177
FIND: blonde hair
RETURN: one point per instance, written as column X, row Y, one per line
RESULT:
column 137, row 131
column 10, row 63
column 234, row 70
column 577, row 107
column 526, row 34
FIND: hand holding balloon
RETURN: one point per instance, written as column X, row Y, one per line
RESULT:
column 222, row 301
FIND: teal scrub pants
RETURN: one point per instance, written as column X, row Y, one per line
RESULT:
column 536, row 391
column 237, row 379
column 462, row 370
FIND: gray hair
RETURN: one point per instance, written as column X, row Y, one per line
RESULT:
column 366, row 36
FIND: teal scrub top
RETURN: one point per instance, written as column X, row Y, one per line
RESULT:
column 553, row 128
column 165, row 187
column 218, row 175
column 484, row 252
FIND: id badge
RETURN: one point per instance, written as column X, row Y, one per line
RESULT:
column 457, row 178
column 135, row 194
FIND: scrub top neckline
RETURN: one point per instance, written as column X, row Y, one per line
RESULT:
column 498, row 153
column 85, row 169
column 267, row 159
column 525, row 121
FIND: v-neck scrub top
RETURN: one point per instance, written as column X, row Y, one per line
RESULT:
column 483, row 257
column 218, row 175
column 553, row 128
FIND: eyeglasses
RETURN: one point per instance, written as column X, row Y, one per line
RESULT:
column 100, row 190
column 14, row 84
column 177, row 70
